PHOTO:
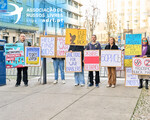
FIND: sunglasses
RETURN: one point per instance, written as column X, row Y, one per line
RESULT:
column 144, row 40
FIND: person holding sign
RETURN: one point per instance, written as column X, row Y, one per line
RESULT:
column 24, row 69
column 94, row 45
column 58, row 63
column 111, row 70
column 79, row 76
column 145, row 53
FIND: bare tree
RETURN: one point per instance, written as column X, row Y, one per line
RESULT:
column 111, row 23
column 91, row 18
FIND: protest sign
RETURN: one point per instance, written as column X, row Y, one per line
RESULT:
column 32, row 56
column 122, row 66
column 128, row 60
column 76, row 37
column 91, row 60
column 130, row 79
column 111, row 58
column 14, row 55
column 140, row 66
column 61, row 47
column 133, row 44
column 47, row 44
column 73, row 62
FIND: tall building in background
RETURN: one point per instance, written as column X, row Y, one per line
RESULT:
column 10, row 31
column 130, row 16
column 72, row 17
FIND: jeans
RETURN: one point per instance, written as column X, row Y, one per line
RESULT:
column 59, row 64
column 79, row 77
column 25, row 75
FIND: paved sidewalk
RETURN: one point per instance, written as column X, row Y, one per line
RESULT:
column 67, row 102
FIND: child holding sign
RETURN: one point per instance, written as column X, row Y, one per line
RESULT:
column 111, row 70
column 145, row 53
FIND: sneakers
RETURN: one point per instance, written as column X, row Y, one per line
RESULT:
column 113, row 86
column 63, row 81
column 17, row 85
column 97, row 85
column 82, row 85
column 55, row 81
column 90, row 85
column 76, row 84
column 108, row 86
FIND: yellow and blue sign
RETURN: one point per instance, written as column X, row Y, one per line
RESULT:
column 32, row 56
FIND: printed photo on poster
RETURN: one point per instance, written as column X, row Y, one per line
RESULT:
column 14, row 55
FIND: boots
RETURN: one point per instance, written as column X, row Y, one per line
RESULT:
column 141, row 84
column 146, row 84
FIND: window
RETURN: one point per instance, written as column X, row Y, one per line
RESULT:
column 70, row 14
column 76, row 4
column 70, row 26
column 19, row 1
column 14, row 39
column 29, row 2
column 70, row 2
column 76, row 17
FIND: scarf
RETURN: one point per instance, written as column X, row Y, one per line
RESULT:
column 144, row 51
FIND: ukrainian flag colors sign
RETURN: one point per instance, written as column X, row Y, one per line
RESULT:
column 32, row 56
column 133, row 44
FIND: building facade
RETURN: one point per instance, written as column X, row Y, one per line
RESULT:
column 11, row 31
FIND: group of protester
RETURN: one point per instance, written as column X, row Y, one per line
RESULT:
column 58, row 63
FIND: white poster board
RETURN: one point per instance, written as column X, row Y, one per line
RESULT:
column 130, row 79
column 73, row 62
column 91, row 60
column 111, row 58
column 140, row 66
column 47, row 44
column 61, row 47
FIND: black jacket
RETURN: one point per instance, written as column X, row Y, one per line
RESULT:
column 148, row 51
column 115, row 47
column 78, row 48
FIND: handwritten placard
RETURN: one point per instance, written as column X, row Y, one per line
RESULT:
column 140, row 66
column 47, row 44
column 91, row 60
column 14, row 55
column 32, row 56
column 73, row 62
column 111, row 58
column 122, row 66
column 130, row 79
column 76, row 37
column 133, row 44
column 62, row 48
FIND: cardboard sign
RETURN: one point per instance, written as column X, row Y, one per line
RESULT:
column 133, row 44
column 73, row 62
column 32, row 56
column 76, row 37
column 130, row 79
column 140, row 66
column 91, row 60
column 61, row 47
column 47, row 44
column 122, row 66
column 128, row 60
column 111, row 58
column 14, row 55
